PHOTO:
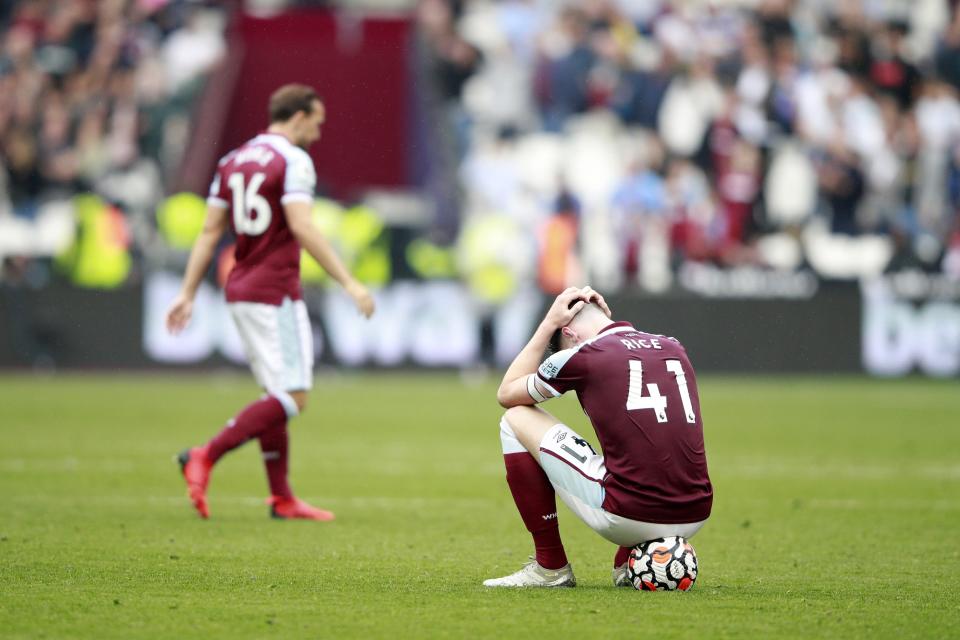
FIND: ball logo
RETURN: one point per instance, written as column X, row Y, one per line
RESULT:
column 661, row 555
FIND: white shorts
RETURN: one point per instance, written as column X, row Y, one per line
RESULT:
column 278, row 343
column 576, row 472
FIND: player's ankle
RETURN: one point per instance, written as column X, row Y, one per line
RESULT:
column 551, row 559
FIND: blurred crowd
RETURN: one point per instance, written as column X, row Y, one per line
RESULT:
column 631, row 138
column 620, row 142
column 96, row 96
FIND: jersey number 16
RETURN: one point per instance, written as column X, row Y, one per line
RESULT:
column 251, row 211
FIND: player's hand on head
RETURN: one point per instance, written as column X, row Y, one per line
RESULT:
column 564, row 308
column 362, row 298
column 588, row 294
column 178, row 316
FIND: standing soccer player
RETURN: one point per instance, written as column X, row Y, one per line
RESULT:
column 640, row 394
column 264, row 191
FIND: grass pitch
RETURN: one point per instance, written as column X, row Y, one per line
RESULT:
column 837, row 514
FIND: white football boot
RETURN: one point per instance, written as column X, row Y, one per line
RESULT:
column 533, row 575
column 620, row 576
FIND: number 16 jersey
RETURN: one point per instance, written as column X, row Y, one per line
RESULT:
column 640, row 393
column 253, row 182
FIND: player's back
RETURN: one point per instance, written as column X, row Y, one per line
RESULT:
column 253, row 182
column 640, row 392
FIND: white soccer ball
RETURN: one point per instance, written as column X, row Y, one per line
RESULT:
column 664, row 564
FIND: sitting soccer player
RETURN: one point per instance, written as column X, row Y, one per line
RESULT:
column 639, row 392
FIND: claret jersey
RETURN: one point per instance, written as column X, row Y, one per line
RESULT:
column 640, row 393
column 253, row 182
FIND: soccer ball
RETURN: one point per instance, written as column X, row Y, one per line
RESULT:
column 664, row 564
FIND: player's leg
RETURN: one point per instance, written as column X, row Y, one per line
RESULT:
column 300, row 397
column 197, row 463
column 530, row 424
column 265, row 417
column 576, row 472
column 275, row 447
column 295, row 376
column 257, row 325
column 521, row 429
column 619, row 571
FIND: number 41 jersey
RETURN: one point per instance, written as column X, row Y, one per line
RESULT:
column 253, row 182
column 640, row 393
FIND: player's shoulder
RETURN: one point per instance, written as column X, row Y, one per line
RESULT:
column 301, row 174
column 291, row 153
column 299, row 154
column 551, row 367
column 300, row 169
column 228, row 157
column 251, row 150
column 668, row 341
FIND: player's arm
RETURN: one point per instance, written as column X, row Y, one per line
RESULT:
column 308, row 235
column 520, row 385
column 178, row 316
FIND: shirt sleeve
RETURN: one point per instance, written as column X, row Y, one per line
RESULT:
column 300, row 179
column 563, row 371
column 216, row 196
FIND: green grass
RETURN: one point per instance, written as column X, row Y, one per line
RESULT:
column 837, row 514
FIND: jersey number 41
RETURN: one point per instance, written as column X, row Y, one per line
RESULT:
column 658, row 403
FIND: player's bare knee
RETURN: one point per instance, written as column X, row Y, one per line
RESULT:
column 524, row 423
column 508, row 439
column 300, row 397
column 517, row 415
column 529, row 418
column 514, row 419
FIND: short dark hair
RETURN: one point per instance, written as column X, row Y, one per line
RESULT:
column 554, row 345
column 290, row 99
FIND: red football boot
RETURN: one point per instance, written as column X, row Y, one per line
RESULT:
column 289, row 508
column 196, row 471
